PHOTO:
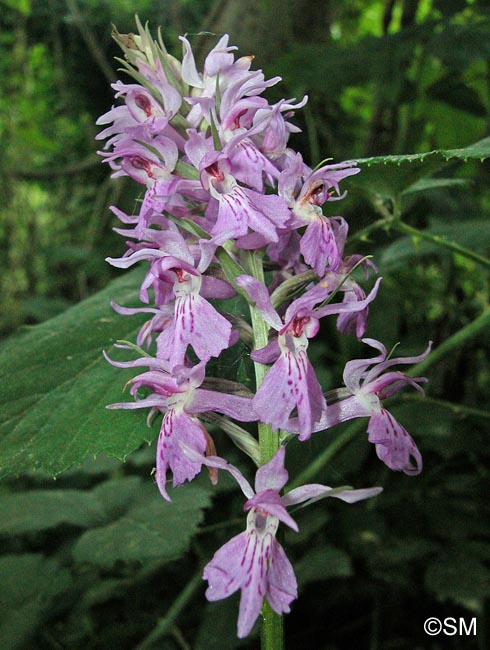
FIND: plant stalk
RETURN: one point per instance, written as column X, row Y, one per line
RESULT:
column 444, row 243
column 272, row 631
column 268, row 440
column 165, row 624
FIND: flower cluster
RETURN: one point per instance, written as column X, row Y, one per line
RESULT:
column 222, row 192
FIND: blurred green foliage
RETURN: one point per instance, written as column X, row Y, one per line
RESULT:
column 89, row 561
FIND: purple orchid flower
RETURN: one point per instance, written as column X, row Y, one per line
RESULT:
column 143, row 107
column 161, row 319
column 362, row 397
column 254, row 561
column 132, row 158
column 196, row 322
column 291, row 382
column 154, row 109
column 150, row 214
column 219, row 64
column 121, row 120
column 237, row 112
column 240, row 208
column 322, row 244
column 273, row 139
column 241, row 128
column 354, row 322
column 249, row 164
column 178, row 395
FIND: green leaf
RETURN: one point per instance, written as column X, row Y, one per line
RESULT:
column 403, row 551
column 218, row 628
column 387, row 176
column 28, row 587
column 458, row 577
column 458, row 45
column 430, row 184
column 43, row 509
column 153, row 529
column 38, row 510
column 55, row 384
column 322, row 563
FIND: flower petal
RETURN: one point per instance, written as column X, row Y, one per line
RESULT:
column 259, row 294
column 178, row 430
column 273, row 474
column 197, row 323
column 319, row 246
column 394, row 445
column 234, row 406
column 268, row 501
column 224, row 572
column 290, row 383
column 283, row 588
column 220, row 463
column 314, row 492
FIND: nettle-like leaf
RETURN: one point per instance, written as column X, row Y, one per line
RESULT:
column 29, row 587
column 431, row 184
column 385, row 177
column 38, row 510
column 151, row 530
column 55, row 384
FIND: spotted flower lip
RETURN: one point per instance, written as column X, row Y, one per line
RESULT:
column 254, row 561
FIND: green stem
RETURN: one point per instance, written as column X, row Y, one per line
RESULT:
column 312, row 133
column 272, row 631
column 391, row 219
column 457, row 340
column 289, row 287
column 164, row 626
column 327, row 454
column 460, row 410
column 440, row 241
column 363, row 234
column 268, row 440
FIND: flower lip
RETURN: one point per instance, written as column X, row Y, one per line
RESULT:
column 144, row 103
column 298, row 325
column 313, row 194
column 141, row 163
column 260, row 521
column 214, row 170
